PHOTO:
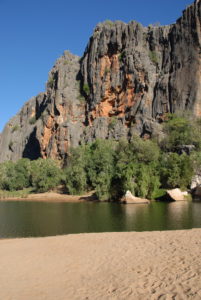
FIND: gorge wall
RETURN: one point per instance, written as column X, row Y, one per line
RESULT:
column 129, row 77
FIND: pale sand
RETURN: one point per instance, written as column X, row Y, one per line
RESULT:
column 53, row 197
column 148, row 265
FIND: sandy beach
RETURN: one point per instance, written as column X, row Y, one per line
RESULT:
column 52, row 197
column 147, row 266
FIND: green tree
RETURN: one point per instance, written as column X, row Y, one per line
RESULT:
column 137, row 167
column 125, row 168
column 195, row 162
column 181, row 130
column 4, row 180
column 45, row 174
column 144, row 150
column 15, row 176
column 148, row 181
column 176, row 170
column 75, row 173
column 101, row 167
column 23, row 172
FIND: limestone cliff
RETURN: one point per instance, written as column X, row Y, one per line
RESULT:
column 129, row 77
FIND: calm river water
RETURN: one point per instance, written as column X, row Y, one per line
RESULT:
column 23, row 219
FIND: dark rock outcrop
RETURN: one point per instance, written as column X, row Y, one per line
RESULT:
column 197, row 193
column 129, row 77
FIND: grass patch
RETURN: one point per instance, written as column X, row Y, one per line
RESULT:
column 188, row 197
column 15, row 194
column 159, row 193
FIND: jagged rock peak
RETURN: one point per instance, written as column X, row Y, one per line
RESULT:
column 129, row 77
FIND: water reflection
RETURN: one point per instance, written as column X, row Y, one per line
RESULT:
column 22, row 219
column 180, row 215
column 196, row 215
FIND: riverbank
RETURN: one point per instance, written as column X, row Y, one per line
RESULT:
column 146, row 265
column 52, row 197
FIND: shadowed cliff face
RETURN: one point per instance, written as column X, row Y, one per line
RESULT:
column 127, row 80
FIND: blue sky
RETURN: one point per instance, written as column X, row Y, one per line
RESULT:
column 34, row 33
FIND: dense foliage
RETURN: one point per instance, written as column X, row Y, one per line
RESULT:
column 41, row 175
column 110, row 168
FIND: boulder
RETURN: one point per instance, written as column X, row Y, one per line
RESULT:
column 197, row 193
column 196, row 181
column 196, row 187
column 177, row 195
column 185, row 149
column 130, row 199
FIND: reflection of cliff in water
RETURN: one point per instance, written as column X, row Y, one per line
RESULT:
column 163, row 216
column 180, row 214
column 145, row 217
column 196, row 214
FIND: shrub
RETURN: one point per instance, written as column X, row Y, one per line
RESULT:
column 181, row 130
column 20, row 193
column 15, row 176
column 15, row 128
column 50, row 82
column 86, row 89
column 175, row 170
column 45, row 174
column 121, row 56
column 156, row 24
column 145, row 151
column 76, row 178
column 112, row 123
column 153, row 57
column 91, row 167
column 109, row 23
column 32, row 120
column 147, row 181
column 101, row 168
column 23, row 171
column 137, row 167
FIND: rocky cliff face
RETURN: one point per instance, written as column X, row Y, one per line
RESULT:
column 129, row 77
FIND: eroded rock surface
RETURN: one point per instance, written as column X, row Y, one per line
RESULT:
column 129, row 77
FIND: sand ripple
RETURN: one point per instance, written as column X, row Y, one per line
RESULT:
column 147, row 266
